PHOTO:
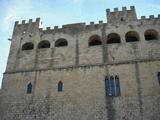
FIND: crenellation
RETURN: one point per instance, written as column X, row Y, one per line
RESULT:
column 16, row 23
column 143, row 17
column 48, row 28
column 30, row 20
column 55, row 27
column 38, row 20
column 132, row 8
column 107, row 10
column 23, row 21
column 100, row 22
column 91, row 23
column 151, row 17
column 124, row 8
column 60, row 73
column 115, row 9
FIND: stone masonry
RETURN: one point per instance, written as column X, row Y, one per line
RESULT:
column 81, row 57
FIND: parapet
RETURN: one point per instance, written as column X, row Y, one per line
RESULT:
column 29, row 22
column 119, row 16
column 150, row 17
column 132, row 8
column 75, row 27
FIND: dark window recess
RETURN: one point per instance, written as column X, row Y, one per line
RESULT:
column 60, row 86
column 29, row 88
column 122, row 19
column 151, row 35
column 44, row 44
column 94, row 40
column 112, row 86
column 113, row 38
column 28, row 46
column 61, row 43
column 158, row 75
column 132, row 36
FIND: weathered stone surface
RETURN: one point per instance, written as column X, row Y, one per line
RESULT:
column 82, row 70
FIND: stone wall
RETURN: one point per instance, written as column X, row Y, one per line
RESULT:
column 78, row 52
column 82, row 70
column 83, row 95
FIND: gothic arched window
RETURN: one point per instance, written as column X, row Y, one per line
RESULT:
column 112, row 86
column 60, row 86
column 158, row 76
column 29, row 88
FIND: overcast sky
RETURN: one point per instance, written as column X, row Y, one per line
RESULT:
column 60, row 12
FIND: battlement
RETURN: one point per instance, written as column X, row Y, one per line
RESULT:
column 132, row 8
column 29, row 22
column 115, row 17
column 74, row 26
column 121, row 16
column 150, row 17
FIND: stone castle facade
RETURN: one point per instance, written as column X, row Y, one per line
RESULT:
column 104, row 71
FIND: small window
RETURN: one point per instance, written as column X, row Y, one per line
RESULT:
column 44, row 44
column 158, row 76
column 151, row 34
column 29, row 88
column 122, row 19
column 28, row 46
column 113, row 38
column 94, row 40
column 112, row 86
column 60, row 86
column 132, row 36
column 61, row 43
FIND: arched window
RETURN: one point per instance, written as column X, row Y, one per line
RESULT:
column 44, row 44
column 28, row 46
column 94, row 40
column 60, row 86
column 61, row 42
column 158, row 76
column 29, row 88
column 112, row 86
column 151, row 34
column 132, row 36
column 113, row 38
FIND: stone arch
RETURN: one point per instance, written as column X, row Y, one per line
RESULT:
column 27, row 46
column 44, row 44
column 94, row 40
column 61, row 42
column 151, row 34
column 132, row 36
column 113, row 38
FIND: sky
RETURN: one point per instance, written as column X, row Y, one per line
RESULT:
column 61, row 12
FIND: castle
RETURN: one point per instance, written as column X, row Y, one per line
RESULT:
column 104, row 71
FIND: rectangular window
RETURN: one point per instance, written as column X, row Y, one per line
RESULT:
column 112, row 86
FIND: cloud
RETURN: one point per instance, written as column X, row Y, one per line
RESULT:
column 156, row 6
column 6, row 23
column 15, row 11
